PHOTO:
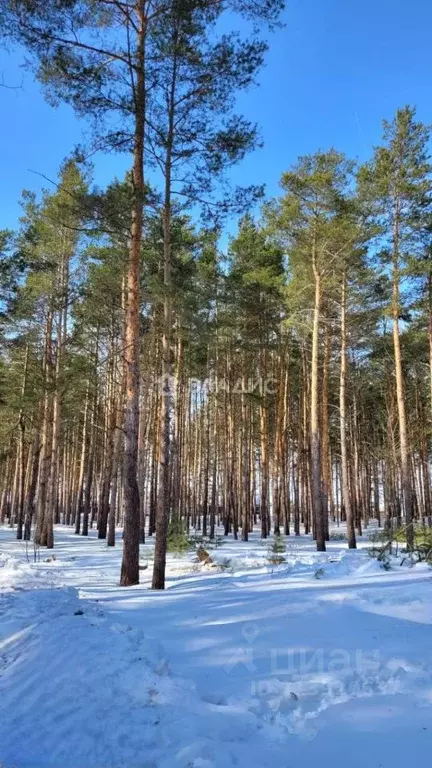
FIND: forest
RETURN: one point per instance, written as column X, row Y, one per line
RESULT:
column 158, row 375
column 215, row 384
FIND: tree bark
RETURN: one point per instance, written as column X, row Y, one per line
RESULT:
column 131, row 536
column 314, row 417
column 343, row 432
column 403, row 438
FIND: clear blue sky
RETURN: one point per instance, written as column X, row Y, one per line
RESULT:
column 331, row 75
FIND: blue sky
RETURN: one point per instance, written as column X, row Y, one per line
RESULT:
column 335, row 70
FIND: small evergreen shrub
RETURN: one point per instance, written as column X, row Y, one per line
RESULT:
column 276, row 550
column 386, row 545
column 178, row 540
column 337, row 536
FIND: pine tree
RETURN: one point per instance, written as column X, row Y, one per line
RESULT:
column 306, row 218
column 397, row 185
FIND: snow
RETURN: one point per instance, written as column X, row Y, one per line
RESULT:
column 323, row 660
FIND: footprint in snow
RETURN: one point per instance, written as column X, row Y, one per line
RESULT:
column 215, row 698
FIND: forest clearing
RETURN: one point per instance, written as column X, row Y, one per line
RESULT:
column 241, row 662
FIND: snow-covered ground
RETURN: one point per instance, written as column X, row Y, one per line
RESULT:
column 324, row 660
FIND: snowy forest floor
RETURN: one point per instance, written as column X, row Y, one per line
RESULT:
column 323, row 660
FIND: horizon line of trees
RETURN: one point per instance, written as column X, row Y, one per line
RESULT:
column 300, row 361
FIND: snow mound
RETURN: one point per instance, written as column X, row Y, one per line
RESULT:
column 65, row 666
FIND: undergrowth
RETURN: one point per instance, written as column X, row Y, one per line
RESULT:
column 388, row 544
